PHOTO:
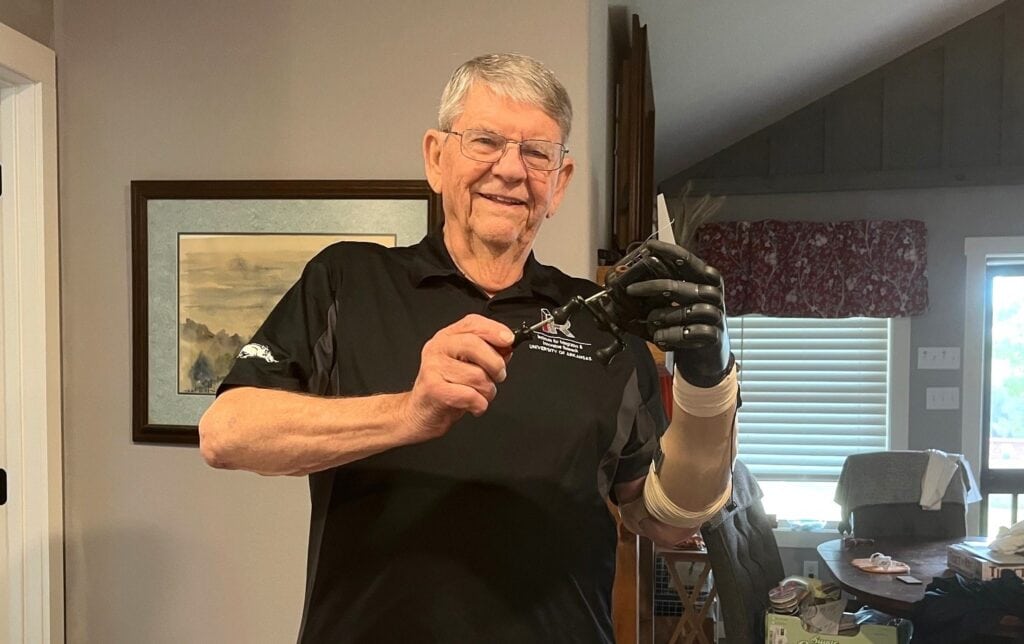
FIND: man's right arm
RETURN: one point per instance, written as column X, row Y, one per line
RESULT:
column 276, row 432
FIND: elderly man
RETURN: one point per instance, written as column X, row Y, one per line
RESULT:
column 458, row 488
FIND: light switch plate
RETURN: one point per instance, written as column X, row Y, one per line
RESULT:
column 942, row 398
column 938, row 357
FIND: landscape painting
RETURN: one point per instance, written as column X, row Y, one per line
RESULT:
column 227, row 284
column 211, row 259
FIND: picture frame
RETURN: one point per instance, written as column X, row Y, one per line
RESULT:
column 211, row 258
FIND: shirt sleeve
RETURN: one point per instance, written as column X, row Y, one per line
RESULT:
column 295, row 342
column 648, row 420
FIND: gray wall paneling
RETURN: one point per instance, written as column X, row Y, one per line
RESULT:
column 949, row 113
column 853, row 129
column 1012, row 131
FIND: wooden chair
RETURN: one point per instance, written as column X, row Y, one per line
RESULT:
column 689, row 627
column 909, row 520
column 881, row 491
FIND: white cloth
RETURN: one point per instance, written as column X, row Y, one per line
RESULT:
column 663, row 509
column 937, row 475
column 1009, row 540
column 970, row 483
column 706, row 402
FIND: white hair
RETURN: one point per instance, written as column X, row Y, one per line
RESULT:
column 520, row 78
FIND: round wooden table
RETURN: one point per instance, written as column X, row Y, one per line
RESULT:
column 927, row 560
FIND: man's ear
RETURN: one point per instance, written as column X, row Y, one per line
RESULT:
column 433, row 142
column 564, row 175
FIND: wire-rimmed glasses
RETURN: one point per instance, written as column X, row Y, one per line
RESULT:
column 489, row 147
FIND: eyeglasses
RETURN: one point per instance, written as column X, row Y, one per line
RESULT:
column 489, row 147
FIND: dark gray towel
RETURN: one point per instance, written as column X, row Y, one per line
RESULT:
column 878, row 478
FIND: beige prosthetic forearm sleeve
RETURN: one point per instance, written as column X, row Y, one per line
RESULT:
column 693, row 480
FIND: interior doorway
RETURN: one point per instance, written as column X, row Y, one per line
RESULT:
column 31, row 520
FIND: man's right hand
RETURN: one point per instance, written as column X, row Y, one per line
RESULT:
column 460, row 368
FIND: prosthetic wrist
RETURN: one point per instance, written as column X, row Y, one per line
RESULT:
column 709, row 405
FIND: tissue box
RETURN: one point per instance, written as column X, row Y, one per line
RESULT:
column 977, row 561
column 788, row 629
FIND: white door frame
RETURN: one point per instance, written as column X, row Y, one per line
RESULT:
column 30, row 339
column 979, row 250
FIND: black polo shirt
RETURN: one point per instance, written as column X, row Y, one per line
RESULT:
column 498, row 531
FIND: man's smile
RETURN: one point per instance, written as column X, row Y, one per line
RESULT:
column 502, row 199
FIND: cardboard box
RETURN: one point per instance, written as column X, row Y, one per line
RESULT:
column 788, row 629
column 976, row 561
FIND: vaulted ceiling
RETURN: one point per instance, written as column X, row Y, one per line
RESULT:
column 724, row 69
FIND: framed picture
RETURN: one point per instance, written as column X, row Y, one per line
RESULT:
column 210, row 259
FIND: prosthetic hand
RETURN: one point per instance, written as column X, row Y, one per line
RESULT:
column 678, row 306
column 672, row 298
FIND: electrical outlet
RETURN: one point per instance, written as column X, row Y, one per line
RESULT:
column 811, row 569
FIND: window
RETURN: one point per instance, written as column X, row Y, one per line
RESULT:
column 814, row 391
column 1002, row 447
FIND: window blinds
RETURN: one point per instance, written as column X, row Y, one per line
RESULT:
column 814, row 391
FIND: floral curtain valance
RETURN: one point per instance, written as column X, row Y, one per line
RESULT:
column 820, row 269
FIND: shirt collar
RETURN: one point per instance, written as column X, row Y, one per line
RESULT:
column 432, row 260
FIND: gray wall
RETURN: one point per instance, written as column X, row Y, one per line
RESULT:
column 34, row 18
column 161, row 548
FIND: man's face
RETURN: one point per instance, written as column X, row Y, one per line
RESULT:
column 501, row 204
